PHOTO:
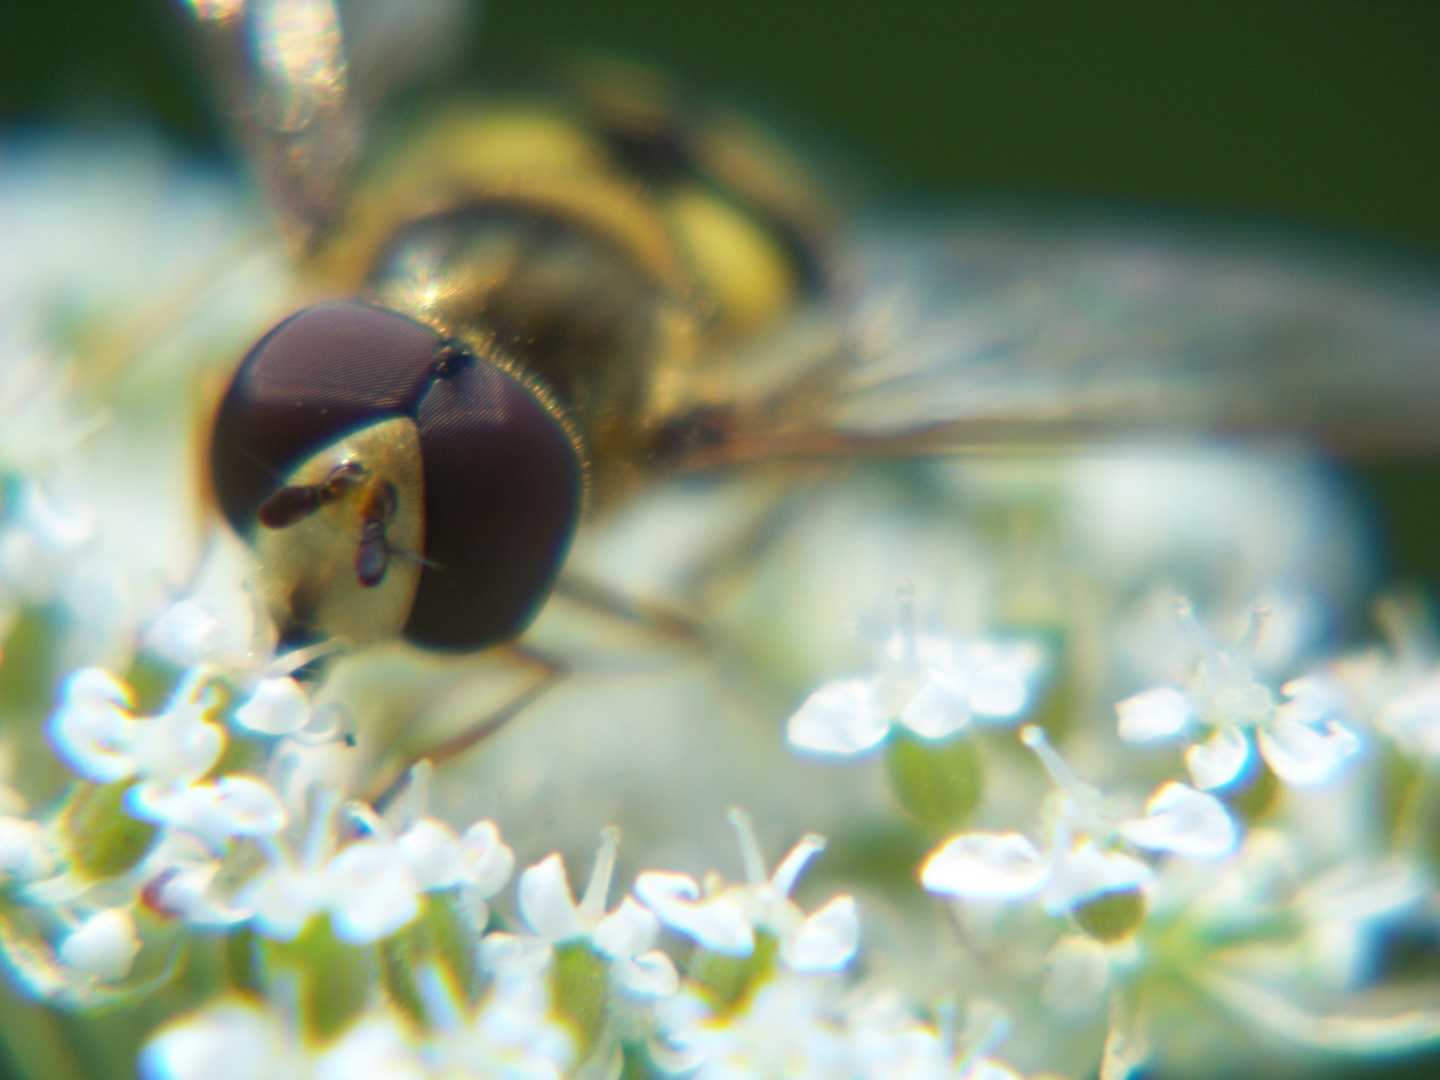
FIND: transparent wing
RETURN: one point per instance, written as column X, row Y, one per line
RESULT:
column 996, row 332
column 301, row 78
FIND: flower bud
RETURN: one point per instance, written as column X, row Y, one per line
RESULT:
column 102, row 838
column 727, row 982
column 332, row 979
column 1111, row 916
column 579, row 985
column 442, row 935
column 1252, row 794
column 938, row 782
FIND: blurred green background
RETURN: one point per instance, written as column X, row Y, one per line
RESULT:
column 1317, row 112
column 1320, row 113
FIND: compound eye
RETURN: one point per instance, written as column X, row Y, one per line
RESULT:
column 503, row 489
column 322, row 373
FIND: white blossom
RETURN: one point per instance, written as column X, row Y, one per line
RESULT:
column 373, row 886
column 1299, row 738
column 97, row 734
column 625, row 936
column 724, row 920
column 215, row 810
column 1081, row 860
column 933, row 686
column 236, row 1039
column 104, row 945
column 512, row 1034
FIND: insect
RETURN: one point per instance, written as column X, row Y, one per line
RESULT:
column 540, row 308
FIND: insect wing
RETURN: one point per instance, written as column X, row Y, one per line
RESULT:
column 1004, row 333
column 300, row 80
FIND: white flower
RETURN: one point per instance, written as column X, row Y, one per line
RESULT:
column 235, row 1039
column 784, row 1031
column 277, row 706
column 1081, row 861
column 215, row 810
column 625, row 936
column 931, row 685
column 95, row 731
column 39, row 538
column 372, row 887
column 104, row 945
column 1299, row 738
column 510, row 1036
column 283, row 897
column 725, row 920
column 24, row 850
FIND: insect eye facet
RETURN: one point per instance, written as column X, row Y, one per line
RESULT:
column 502, row 479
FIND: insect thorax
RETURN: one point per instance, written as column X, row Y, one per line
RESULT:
column 609, row 254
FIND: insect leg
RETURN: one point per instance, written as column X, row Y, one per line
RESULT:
column 664, row 621
column 551, row 672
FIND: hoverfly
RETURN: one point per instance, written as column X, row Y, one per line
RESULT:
column 535, row 308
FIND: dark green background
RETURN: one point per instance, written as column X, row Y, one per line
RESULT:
column 1318, row 111
column 1321, row 113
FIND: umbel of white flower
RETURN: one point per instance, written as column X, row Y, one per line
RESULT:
column 726, row 920
column 1082, row 858
column 929, row 685
column 1299, row 739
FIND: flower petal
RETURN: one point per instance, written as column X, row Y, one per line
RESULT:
column 91, row 730
column 719, row 924
column 838, row 719
column 1182, row 820
column 374, row 894
column 1302, row 754
column 939, row 708
column 650, row 975
column 627, row 931
column 187, row 633
column 1154, row 714
column 373, row 1048
column 215, row 811
column 985, row 865
column 1219, row 759
column 1087, row 871
column 827, row 940
column 104, row 946
column 546, row 902
column 235, row 1040
column 512, row 956
column 491, row 860
column 284, row 898
column 277, row 707
column 433, row 854
column 998, row 691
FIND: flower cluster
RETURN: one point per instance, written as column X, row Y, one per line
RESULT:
column 1086, row 835
column 155, row 836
